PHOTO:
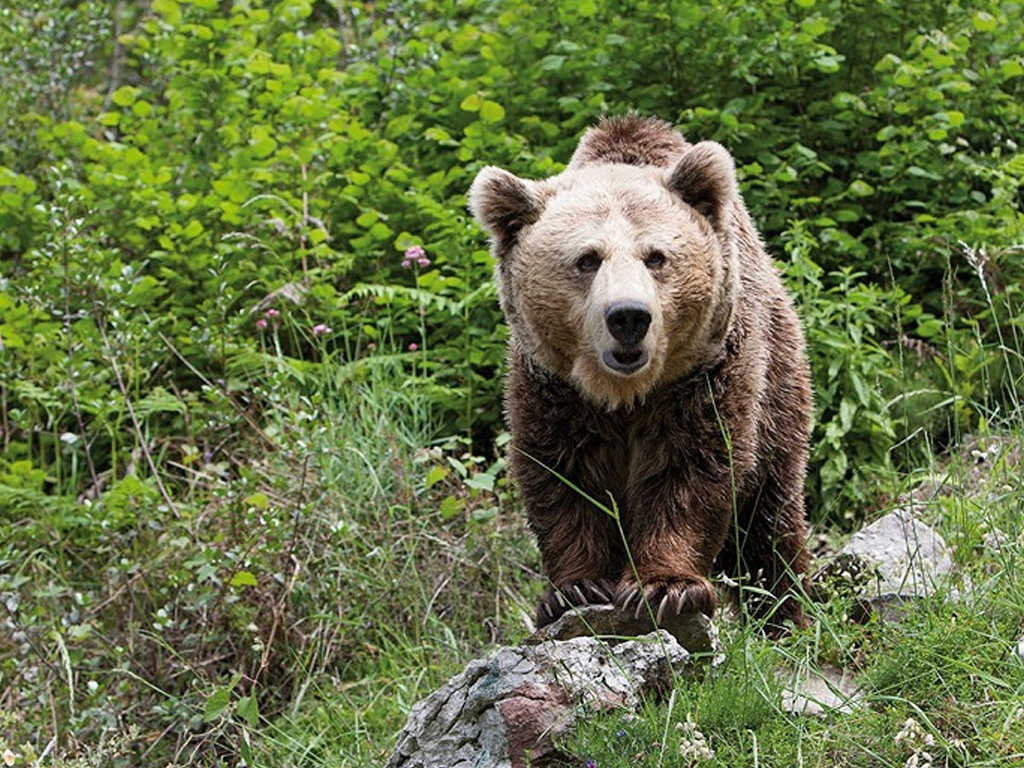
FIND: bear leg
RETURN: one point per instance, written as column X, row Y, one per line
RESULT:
column 766, row 549
column 672, row 553
column 579, row 546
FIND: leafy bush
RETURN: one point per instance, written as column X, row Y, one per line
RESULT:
column 283, row 157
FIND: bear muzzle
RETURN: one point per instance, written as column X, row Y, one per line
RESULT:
column 627, row 322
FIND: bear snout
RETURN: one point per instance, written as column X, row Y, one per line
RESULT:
column 628, row 322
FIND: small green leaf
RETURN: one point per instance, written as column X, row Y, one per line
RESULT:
column 829, row 62
column 471, row 103
column 860, row 188
column 258, row 500
column 484, row 515
column 552, row 63
column 367, row 218
column 955, row 118
column 406, row 240
column 860, row 388
column 262, row 147
column 243, row 579
column 24, row 184
column 124, row 95
column 846, row 411
column 249, row 709
column 491, row 111
column 434, row 476
column 983, row 21
column 168, row 9
column 1015, row 166
column 1011, row 68
column 216, row 703
column 449, row 507
column 481, row 482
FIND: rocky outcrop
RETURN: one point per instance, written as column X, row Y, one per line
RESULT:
column 893, row 560
column 507, row 710
column 694, row 631
column 818, row 692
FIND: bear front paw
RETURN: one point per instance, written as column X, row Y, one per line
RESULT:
column 684, row 595
column 558, row 600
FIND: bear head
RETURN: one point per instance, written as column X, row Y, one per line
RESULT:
column 617, row 277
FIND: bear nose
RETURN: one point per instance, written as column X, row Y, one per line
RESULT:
column 627, row 321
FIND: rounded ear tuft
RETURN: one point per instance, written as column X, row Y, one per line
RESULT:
column 503, row 203
column 705, row 179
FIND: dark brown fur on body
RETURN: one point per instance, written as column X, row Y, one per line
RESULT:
column 706, row 457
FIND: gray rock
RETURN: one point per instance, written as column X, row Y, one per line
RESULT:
column 900, row 559
column 694, row 631
column 995, row 540
column 506, row 710
column 816, row 692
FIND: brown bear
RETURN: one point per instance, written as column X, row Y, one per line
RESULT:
column 655, row 359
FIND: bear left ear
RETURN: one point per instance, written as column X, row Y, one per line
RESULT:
column 705, row 178
column 503, row 203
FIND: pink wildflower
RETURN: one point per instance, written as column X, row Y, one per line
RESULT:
column 371, row 345
column 271, row 313
column 320, row 329
column 413, row 347
column 415, row 254
column 261, row 323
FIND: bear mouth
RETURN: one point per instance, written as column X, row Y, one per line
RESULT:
column 625, row 361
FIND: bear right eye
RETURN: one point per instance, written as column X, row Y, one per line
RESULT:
column 588, row 262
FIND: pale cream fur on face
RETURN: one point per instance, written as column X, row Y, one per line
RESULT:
column 622, row 213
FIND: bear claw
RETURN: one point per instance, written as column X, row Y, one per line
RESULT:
column 660, row 597
column 558, row 600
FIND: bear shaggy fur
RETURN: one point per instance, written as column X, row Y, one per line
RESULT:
column 654, row 356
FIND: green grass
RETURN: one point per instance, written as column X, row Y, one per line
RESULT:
column 333, row 580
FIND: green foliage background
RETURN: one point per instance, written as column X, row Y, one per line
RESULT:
column 170, row 171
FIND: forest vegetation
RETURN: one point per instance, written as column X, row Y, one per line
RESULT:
column 253, row 502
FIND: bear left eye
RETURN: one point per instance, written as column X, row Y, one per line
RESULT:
column 588, row 262
column 654, row 259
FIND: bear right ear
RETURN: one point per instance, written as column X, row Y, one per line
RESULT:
column 705, row 178
column 504, row 203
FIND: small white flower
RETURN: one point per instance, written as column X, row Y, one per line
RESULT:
column 693, row 746
column 9, row 757
column 911, row 734
column 93, row 686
